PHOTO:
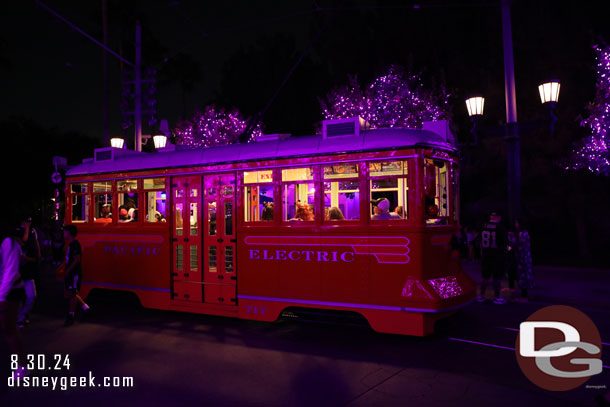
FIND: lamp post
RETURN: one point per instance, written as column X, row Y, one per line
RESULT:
column 475, row 105
column 549, row 94
column 513, row 141
column 117, row 142
column 160, row 140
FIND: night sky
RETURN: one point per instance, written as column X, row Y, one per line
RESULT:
column 53, row 74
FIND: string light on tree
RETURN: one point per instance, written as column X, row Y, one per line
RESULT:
column 593, row 152
column 213, row 127
column 394, row 99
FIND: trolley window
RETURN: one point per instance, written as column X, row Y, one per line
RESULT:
column 298, row 194
column 127, row 200
column 258, row 196
column 80, row 188
column 436, row 191
column 388, row 187
column 341, row 192
column 80, row 201
column 103, row 208
column 155, row 196
column 102, row 186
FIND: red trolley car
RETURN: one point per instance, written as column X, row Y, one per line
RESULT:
column 250, row 230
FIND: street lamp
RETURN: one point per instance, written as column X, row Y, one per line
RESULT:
column 160, row 140
column 117, row 142
column 549, row 91
column 475, row 105
column 549, row 94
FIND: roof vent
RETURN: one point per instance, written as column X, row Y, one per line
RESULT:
column 103, row 154
column 343, row 127
column 274, row 136
column 111, row 153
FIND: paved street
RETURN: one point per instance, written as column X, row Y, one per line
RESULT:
column 177, row 358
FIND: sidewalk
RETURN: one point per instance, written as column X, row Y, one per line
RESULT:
column 581, row 287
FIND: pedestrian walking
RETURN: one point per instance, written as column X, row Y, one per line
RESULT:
column 73, row 274
column 493, row 247
column 29, row 270
column 523, row 259
column 11, row 296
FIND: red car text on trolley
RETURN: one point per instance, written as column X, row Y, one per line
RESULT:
column 352, row 220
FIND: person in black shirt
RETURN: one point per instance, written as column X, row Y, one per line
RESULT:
column 73, row 273
column 493, row 248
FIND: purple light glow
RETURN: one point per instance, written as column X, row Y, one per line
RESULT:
column 446, row 287
column 392, row 100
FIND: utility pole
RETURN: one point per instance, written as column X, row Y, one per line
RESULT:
column 513, row 141
column 103, row 45
column 106, row 97
column 138, row 100
column 138, row 88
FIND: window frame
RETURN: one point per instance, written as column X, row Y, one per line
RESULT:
column 407, row 191
column 448, row 219
column 316, row 205
column 241, row 199
column 358, row 178
column 144, row 203
column 87, row 195
column 112, row 192
column 139, row 202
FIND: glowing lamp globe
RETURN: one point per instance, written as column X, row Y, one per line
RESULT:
column 475, row 105
column 160, row 141
column 549, row 91
column 117, row 142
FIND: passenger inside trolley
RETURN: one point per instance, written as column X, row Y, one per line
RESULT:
column 335, row 213
column 104, row 214
column 381, row 208
column 267, row 211
column 303, row 212
column 123, row 214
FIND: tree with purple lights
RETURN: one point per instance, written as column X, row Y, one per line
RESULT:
column 593, row 152
column 213, row 127
column 394, row 99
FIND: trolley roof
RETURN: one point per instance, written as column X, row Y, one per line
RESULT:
column 369, row 140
